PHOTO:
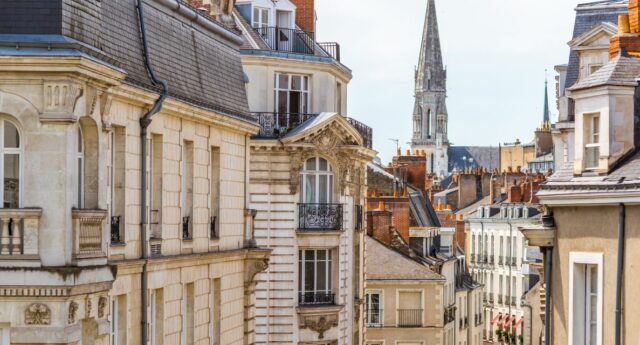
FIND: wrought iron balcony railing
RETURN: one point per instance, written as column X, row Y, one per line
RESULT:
column 275, row 125
column 316, row 298
column 409, row 317
column 320, row 217
column 331, row 48
column 288, row 40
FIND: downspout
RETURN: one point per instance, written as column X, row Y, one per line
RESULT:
column 548, row 258
column 145, row 121
column 619, row 274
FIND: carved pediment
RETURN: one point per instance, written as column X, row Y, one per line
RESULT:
column 595, row 38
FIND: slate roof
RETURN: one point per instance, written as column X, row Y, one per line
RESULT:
column 589, row 15
column 201, row 68
column 384, row 263
column 620, row 71
column 483, row 156
column 422, row 210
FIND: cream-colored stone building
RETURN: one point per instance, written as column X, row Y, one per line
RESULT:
column 307, row 181
column 87, row 255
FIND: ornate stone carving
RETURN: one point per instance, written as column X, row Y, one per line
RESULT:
column 105, row 110
column 37, row 314
column 297, row 160
column 319, row 323
column 102, row 306
column 326, row 141
column 73, row 309
column 60, row 99
column 253, row 267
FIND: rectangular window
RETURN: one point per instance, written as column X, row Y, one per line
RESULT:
column 315, row 277
column 215, row 193
column 188, row 327
column 155, row 186
column 187, row 190
column 119, row 320
column 374, row 309
column 292, row 97
column 215, row 311
column 117, row 184
column 157, row 317
column 409, row 308
column 592, row 141
column 260, row 17
column 586, row 298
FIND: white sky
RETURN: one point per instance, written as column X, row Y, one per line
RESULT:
column 496, row 53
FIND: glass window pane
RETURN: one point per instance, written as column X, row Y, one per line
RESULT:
column 283, row 81
column 265, row 17
column 305, row 83
column 256, row 16
column 322, row 276
column 296, row 82
column 311, row 164
column 308, row 276
column 323, row 164
column 594, row 279
column 322, row 255
column 11, row 136
column 323, row 196
column 309, row 255
column 11, row 181
column 282, row 102
column 310, row 189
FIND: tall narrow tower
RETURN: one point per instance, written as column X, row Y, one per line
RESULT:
column 430, row 111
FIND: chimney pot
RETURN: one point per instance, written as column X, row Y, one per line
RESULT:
column 408, row 152
column 623, row 23
column 381, row 205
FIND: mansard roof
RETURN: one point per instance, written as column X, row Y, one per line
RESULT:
column 587, row 16
column 199, row 57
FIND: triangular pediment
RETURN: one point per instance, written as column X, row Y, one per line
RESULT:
column 327, row 130
column 595, row 38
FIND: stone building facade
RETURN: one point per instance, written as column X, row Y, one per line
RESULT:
column 308, row 178
column 87, row 254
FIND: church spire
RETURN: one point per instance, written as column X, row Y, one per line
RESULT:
column 546, row 121
column 431, row 74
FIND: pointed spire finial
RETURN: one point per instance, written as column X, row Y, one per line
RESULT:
column 546, row 121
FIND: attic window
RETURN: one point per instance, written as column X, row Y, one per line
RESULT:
column 592, row 141
column 594, row 68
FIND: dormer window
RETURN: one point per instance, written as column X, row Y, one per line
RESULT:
column 260, row 17
column 592, row 141
column 594, row 68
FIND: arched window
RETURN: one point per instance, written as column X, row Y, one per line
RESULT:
column 11, row 164
column 317, row 181
column 80, row 167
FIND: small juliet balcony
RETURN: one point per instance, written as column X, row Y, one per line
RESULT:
column 320, row 217
column 19, row 237
column 89, row 237
column 316, row 298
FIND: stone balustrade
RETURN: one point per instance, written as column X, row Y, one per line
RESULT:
column 19, row 232
column 89, row 239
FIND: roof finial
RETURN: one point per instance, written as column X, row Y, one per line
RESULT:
column 546, row 121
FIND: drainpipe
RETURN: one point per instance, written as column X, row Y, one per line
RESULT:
column 619, row 274
column 548, row 257
column 145, row 121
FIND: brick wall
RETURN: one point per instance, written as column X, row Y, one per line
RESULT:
column 305, row 14
column 399, row 207
column 379, row 224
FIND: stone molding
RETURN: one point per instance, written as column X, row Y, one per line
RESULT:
column 319, row 323
column 60, row 100
column 73, row 309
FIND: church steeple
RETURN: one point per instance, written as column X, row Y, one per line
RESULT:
column 546, row 121
column 431, row 74
column 430, row 118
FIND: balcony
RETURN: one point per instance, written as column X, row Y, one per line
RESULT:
column 514, row 262
column 320, row 217
column 297, row 41
column 19, row 234
column 409, row 317
column 274, row 125
column 316, row 298
column 499, row 299
column 89, row 242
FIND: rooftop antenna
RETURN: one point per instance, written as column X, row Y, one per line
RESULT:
column 397, row 142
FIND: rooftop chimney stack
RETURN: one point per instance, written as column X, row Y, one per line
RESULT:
column 305, row 14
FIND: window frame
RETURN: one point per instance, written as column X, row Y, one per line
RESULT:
column 305, row 90
column 303, row 270
column 380, row 294
column 19, row 151
column 576, row 260
column 259, row 22
column 317, row 173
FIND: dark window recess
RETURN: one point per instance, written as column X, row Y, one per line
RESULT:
column 213, row 228
column 185, row 228
column 115, row 230
column 359, row 210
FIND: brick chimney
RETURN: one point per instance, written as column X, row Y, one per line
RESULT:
column 305, row 14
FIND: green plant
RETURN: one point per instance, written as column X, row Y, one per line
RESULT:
column 521, row 339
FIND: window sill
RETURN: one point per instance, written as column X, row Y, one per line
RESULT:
column 117, row 244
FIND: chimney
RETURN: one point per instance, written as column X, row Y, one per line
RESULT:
column 305, row 14
column 634, row 16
